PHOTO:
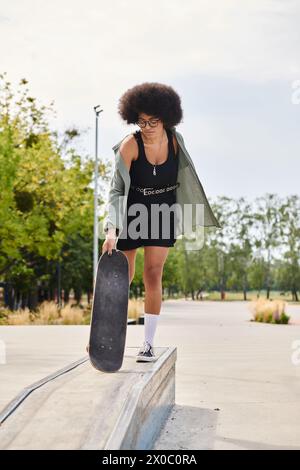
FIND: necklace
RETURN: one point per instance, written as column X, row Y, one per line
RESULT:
column 154, row 165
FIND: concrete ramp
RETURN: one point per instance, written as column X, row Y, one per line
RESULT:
column 82, row 408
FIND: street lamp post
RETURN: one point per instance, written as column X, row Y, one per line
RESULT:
column 97, row 112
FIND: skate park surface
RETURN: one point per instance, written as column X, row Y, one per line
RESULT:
column 219, row 382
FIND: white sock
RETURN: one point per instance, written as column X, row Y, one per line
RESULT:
column 150, row 321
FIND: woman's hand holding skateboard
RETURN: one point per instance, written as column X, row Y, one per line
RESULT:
column 110, row 241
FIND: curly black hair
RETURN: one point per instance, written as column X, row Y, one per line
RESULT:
column 154, row 99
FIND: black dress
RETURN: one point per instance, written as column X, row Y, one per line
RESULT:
column 141, row 174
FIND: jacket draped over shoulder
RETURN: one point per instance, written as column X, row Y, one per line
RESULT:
column 190, row 192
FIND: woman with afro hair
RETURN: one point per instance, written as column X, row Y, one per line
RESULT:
column 149, row 175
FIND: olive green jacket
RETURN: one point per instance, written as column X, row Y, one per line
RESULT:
column 190, row 191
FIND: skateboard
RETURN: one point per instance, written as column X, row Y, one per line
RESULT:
column 109, row 312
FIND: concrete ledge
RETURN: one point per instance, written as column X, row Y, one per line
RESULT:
column 81, row 408
column 15, row 403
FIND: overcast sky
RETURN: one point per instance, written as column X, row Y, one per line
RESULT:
column 234, row 64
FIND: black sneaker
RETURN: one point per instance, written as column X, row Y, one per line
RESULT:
column 146, row 353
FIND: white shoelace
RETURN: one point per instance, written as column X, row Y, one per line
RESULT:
column 147, row 347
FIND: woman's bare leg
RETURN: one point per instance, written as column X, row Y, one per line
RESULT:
column 131, row 256
column 154, row 260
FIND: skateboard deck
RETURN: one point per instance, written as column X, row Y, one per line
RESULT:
column 109, row 312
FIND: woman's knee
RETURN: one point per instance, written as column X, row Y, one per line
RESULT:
column 152, row 275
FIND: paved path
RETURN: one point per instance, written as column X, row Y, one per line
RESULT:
column 236, row 386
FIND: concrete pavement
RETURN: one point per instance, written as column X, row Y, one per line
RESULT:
column 236, row 385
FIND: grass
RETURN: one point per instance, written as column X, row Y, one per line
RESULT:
column 269, row 311
column 251, row 295
column 74, row 314
column 49, row 313
column 135, row 308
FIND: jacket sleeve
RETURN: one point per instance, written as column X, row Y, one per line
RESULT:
column 179, row 135
column 213, row 220
column 116, row 191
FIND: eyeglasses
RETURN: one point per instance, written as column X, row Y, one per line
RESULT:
column 152, row 122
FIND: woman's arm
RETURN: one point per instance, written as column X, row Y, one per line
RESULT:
column 129, row 152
